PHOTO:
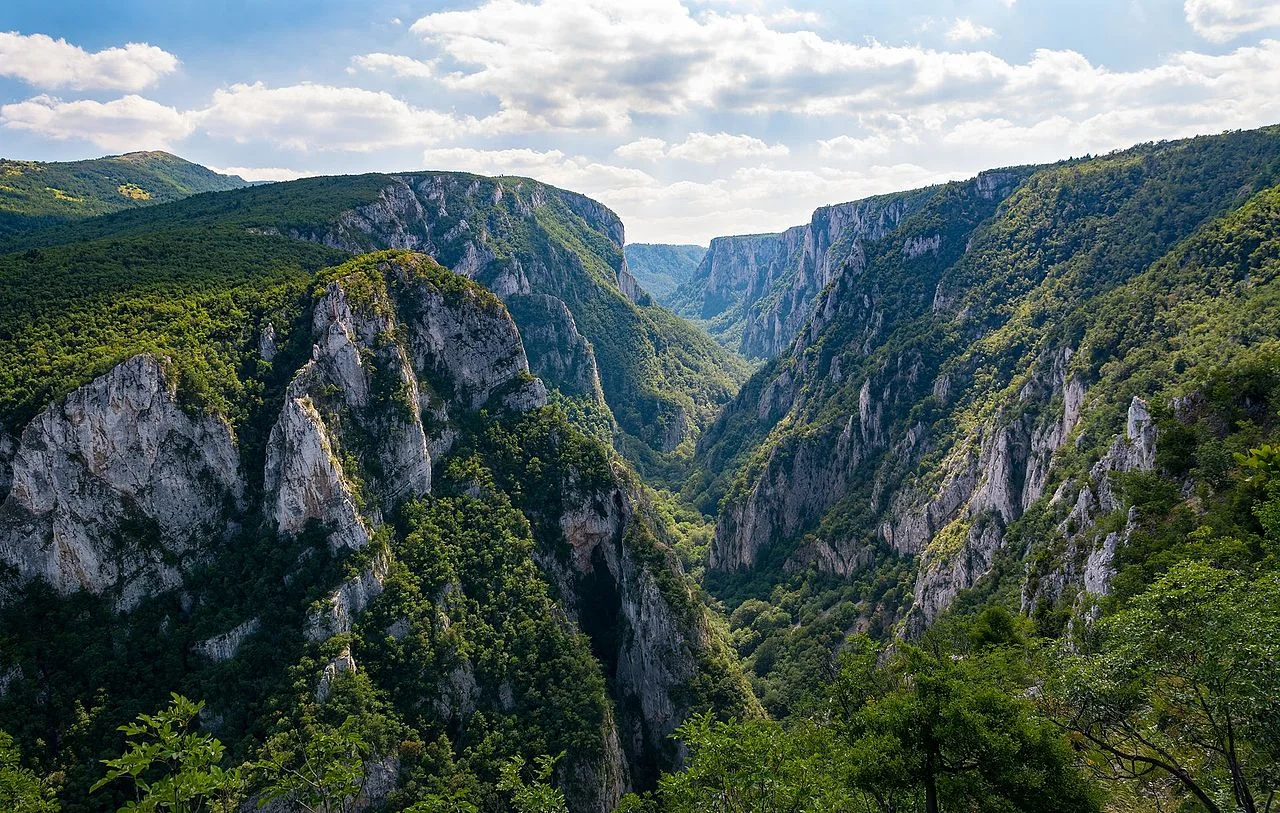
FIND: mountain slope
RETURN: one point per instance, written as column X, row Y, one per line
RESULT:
column 985, row 361
column 34, row 193
column 308, row 494
column 556, row 257
column 754, row 292
column 660, row 268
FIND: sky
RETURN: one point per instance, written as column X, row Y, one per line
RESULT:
column 690, row 118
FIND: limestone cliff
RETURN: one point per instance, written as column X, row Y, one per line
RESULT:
column 116, row 485
column 757, row 291
column 125, row 489
column 556, row 258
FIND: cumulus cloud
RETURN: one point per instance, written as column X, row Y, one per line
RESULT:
column 1224, row 20
column 643, row 149
column 966, row 30
column 40, row 60
column 394, row 64
column 702, row 148
column 848, row 147
column 128, row 123
column 265, row 173
column 596, row 64
column 321, row 117
column 706, row 148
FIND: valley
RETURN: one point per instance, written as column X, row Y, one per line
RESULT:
column 963, row 497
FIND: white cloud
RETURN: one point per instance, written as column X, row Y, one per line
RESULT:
column 1224, row 20
column 128, row 123
column 40, row 60
column 849, row 148
column 643, row 149
column 701, row 148
column 596, row 64
column 786, row 17
column 966, row 30
column 265, row 173
column 707, row 148
column 395, row 64
column 322, row 117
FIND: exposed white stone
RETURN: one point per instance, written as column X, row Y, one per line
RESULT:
column 116, row 449
column 338, row 610
column 224, row 647
column 342, row 664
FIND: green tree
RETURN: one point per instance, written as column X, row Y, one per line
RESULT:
column 320, row 768
column 21, row 791
column 1186, row 683
column 536, row 797
column 756, row 766
column 173, row 768
column 951, row 732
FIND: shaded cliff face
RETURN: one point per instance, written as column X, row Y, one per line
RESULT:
column 754, row 292
column 411, row 403
column 978, row 372
column 542, row 249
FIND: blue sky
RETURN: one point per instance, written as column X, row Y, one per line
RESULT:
column 691, row 118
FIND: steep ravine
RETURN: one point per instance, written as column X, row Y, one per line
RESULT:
column 957, row 375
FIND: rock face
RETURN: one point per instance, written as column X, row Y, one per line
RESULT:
column 652, row 643
column 115, row 483
column 556, row 349
column 764, row 286
column 412, row 212
column 224, row 647
column 925, row 446
column 556, row 259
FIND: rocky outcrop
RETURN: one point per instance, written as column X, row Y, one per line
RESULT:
column 117, row 484
column 1086, row 563
column 630, row 287
column 467, row 344
column 830, row 246
column 305, row 480
column 336, row 613
column 223, row 647
column 412, row 213
column 805, row 474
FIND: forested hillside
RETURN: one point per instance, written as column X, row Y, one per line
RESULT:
column 332, row 502
column 35, row 193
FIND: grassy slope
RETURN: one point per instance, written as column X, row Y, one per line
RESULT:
column 34, row 193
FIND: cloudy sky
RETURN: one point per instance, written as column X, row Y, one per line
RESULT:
column 691, row 118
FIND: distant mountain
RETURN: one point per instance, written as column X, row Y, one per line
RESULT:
column 36, row 193
column 660, row 267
